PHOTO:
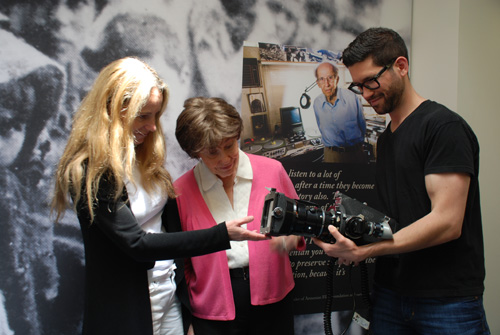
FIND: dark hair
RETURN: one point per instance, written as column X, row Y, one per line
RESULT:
column 382, row 44
column 205, row 123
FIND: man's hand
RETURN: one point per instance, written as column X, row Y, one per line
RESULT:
column 344, row 249
column 237, row 233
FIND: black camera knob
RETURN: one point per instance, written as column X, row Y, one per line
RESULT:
column 278, row 212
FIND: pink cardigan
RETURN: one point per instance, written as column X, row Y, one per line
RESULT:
column 207, row 276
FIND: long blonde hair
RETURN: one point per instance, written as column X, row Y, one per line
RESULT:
column 101, row 141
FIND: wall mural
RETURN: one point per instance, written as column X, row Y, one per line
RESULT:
column 52, row 51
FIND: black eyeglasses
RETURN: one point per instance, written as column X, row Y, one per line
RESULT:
column 371, row 84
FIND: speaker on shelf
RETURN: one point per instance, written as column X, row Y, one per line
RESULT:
column 259, row 126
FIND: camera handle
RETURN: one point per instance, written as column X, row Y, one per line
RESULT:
column 365, row 294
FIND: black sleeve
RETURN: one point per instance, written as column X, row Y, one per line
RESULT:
column 170, row 218
column 451, row 149
column 119, row 224
column 196, row 242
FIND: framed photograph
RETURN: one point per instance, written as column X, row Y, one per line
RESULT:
column 256, row 102
column 272, row 52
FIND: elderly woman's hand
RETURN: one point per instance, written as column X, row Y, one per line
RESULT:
column 285, row 244
column 238, row 233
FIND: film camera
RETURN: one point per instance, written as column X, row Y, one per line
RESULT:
column 354, row 219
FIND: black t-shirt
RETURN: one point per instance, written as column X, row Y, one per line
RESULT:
column 430, row 140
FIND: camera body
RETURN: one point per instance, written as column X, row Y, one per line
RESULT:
column 355, row 220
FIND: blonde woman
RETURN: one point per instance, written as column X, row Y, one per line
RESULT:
column 112, row 170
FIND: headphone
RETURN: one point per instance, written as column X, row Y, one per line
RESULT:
column 305, row 99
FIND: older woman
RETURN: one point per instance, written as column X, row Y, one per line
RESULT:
column 246, row 289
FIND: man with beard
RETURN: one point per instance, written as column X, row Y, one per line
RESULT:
column 430, row 278
column 339, row 114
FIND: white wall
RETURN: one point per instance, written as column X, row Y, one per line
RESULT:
column 455, row 50
column 478, row 101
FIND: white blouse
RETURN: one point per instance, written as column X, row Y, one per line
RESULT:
column 218, row 203
column 147, row 209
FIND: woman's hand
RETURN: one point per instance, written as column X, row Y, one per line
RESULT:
column 284, row 244
column 238, row 233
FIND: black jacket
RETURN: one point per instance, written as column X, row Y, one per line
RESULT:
column 118, row 254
